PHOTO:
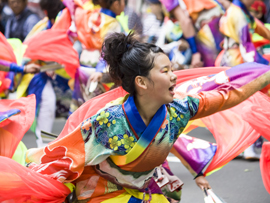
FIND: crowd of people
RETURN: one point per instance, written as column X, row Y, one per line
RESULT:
column 132, row 77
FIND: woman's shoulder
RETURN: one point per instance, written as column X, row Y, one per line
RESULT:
column 187, row 105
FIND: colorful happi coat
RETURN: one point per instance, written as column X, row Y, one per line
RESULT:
column 238, row 25
column 205, row 16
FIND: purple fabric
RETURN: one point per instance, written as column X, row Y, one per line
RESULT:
column 209, row 52
column 4, row 63
column 170, row 4
column 197, row 158
column 249, row 46
column 70, row 5
column 235, row 76
column 152, row 187
column 214, row 27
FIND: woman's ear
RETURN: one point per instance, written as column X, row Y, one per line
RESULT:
column 140, row 82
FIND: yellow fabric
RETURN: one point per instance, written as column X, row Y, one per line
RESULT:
column 70, row 186
column 63, row 73
column 90, row 6
column 21, row 90
column 18, row 48
column 125, row 197
column 232, row 23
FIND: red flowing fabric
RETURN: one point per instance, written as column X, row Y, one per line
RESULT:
column 32, row 186
column 53, row 45
column 258, row 116
column 265, row 165
column 4, row 82
column 7, row 54
column 63, row 22
column 6, row 50
column 234, row 131
column 91, row 107
column 12, row 133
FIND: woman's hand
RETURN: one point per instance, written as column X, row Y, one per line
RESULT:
column 95, row 77
column 202, row 183
column 31, row 68
column 196, row 60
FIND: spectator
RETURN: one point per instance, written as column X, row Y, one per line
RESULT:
column 267, row 14
column 5, row 14
column 2, row 29
column 22, row 20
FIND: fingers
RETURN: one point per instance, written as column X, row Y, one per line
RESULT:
column 205, row 186
column 31, row 68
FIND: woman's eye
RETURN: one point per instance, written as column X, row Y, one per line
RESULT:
column 165, row 70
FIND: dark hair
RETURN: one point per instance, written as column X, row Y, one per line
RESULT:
column 53, row 7
column 104, row 3
column 128, row 58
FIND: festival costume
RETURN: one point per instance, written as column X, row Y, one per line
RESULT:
column 238, row 25
column 111, row 156
column 205, row 16
column 90, row 27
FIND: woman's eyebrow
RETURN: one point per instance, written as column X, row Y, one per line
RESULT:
column 166, row 66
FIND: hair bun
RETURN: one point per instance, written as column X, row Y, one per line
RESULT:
column 113, row 49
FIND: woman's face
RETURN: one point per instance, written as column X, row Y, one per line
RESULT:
column 118, row 6
column 162, row 80
column 248, row 3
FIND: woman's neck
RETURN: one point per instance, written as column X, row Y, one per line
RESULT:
column 147, row 108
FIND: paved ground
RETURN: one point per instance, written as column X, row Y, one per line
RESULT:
column 238, row 182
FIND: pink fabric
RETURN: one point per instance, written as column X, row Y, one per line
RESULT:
column 265, row 165
column 53, row 45
column 33, row 186
column 14, row 130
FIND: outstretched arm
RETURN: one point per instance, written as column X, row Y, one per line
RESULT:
column 226, row 89
column 13, row 67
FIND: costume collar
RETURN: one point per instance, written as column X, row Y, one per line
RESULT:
column 49, row 24
column 145, row 134
column 134, row 116
column 108, row 12
column 244, row 8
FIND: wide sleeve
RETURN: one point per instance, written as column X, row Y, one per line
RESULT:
column 65, row 158
column 226, row 89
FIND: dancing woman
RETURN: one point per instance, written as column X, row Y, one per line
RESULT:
column 112, row 156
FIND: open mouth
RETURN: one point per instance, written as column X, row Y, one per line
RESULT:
column 171, row 89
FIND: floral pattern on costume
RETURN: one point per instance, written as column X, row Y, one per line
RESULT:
column 114, row 143
column 128, row 142
column 103, row 118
